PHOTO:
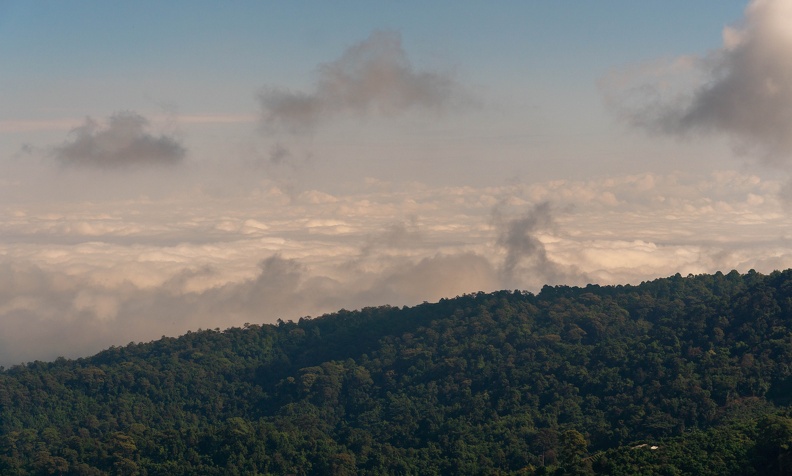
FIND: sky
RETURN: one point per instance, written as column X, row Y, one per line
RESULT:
column 170, row 166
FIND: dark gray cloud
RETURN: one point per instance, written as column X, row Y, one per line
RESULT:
column 526, row 259
column 374, row 76
column 25, row 149
column 517, row 239
column 279, row 153
column 742, row 90
column 122, row 142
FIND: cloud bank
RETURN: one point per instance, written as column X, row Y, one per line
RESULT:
column 50, row 313
column 76, row 277
column 742, row 90
column 373, row 76
column 122, row 142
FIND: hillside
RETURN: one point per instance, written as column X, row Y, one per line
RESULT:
column 569, row 381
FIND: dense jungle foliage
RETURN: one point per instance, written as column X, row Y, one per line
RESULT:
column 683, row 375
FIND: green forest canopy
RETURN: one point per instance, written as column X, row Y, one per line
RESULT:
column 682, row 375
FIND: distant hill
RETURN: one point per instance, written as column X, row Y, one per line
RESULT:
column 682, row 375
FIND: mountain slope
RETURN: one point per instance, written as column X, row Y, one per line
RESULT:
column 571, row 379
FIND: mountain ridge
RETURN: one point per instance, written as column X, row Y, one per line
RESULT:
column 568, row 380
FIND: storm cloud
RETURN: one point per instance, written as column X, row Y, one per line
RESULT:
column 373, row 76
column 124, row 141
column 742, row 90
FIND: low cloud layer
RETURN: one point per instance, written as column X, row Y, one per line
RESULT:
column 742, row 90
column 372, row 77
column 46, row 314
column 77, row 277
column 124, row 141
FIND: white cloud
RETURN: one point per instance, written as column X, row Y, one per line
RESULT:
column 742, row 90
column 78, row 277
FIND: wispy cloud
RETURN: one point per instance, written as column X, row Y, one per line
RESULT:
column 372, row 77
column 16, row 126
column 68, row 124
column 397, row 235
column 215, row 118
column 124, row 141
column 526, row 255
column 279, row 154
column 742, row 90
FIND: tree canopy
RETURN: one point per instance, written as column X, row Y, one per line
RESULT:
column 681, row 375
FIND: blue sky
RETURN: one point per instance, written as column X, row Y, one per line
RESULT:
column 534, row 64
column 166, row 166
column 82, row 57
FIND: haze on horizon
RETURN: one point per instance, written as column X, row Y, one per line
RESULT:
column 174, row 166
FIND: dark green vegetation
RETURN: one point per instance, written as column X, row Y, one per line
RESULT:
column 569, row 381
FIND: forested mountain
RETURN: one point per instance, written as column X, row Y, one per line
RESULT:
column 683, row 375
